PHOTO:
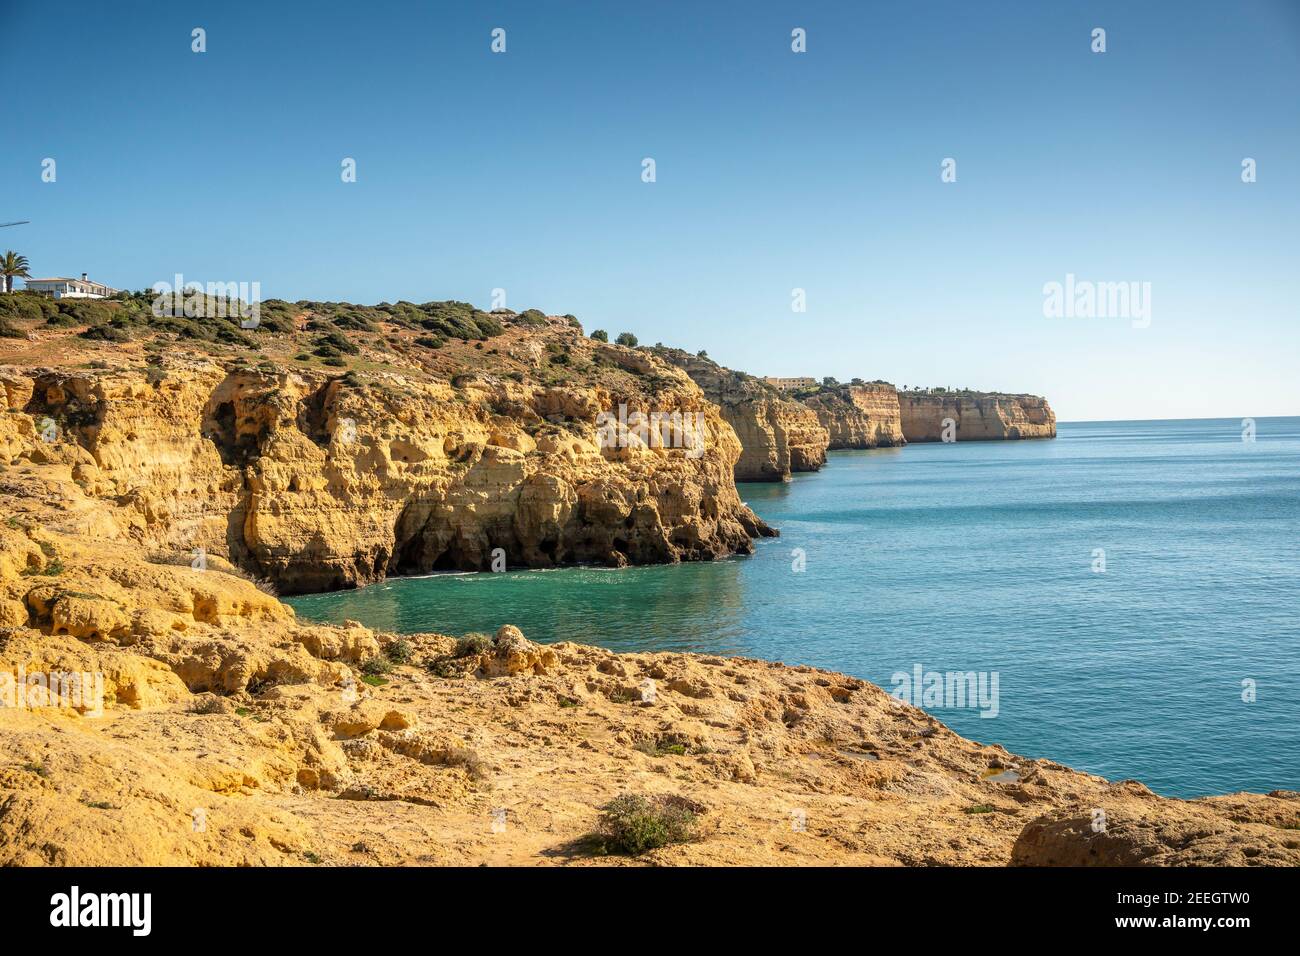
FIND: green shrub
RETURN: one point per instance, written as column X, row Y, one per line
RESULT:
column 472, row 644
column 107, row 333
column 633, row 823
column 399, row 651
column 600, row 335
column 335, row 343
column 446, row 666
column 673, row 745
column 376, row 666
column 355, row 320
column 52, row 569
column 626, row 338
column 208, row 704
column 457, row 320
column 28, row 306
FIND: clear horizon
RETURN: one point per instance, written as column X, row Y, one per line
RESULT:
column 775, row 171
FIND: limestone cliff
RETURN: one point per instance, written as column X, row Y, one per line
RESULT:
column 976, row 416
column 859, row 416
column 777, row 436
column 318, row 480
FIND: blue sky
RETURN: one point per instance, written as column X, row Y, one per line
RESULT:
column 775, row 171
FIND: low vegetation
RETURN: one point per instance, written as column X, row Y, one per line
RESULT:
column 633, row 823
column 473, row 644
column 198, row 317
column 377, row 666
column 399, row 652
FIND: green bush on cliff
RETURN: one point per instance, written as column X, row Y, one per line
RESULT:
column 26, row 306
column 399, row 651
column 600, row 335
column 473, row 643
column 333, row 344
column 451, row 319
column 626, row 338
column 108, row 332
column 633, row 823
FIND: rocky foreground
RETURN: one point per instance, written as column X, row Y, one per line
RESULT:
column 149, row 487
column 233, row 734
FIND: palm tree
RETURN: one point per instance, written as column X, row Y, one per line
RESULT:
column 12, row 266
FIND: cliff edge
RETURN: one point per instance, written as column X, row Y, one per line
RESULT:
column 533, row 447
column 975, row 416
column 777, row 436
column 859, row 416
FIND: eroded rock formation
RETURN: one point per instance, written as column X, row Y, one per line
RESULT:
column 976, row 416
column 319, row 481
column 777, row 436
column 859, row 416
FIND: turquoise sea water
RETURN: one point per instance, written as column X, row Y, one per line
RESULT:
column 980, row 557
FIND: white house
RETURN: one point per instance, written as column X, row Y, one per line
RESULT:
column 62, row 288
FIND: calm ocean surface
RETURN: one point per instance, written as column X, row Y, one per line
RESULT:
column 979, row 557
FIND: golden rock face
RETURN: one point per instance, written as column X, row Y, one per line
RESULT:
column 316, row 482
column 976, row 417
column 777, row 436
column 860, row 416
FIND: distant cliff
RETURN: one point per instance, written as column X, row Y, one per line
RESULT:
column 777, row 436
column 975, row 416
column 859, row 416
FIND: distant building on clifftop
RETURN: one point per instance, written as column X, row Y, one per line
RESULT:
column 789, row 384
column 63, row 288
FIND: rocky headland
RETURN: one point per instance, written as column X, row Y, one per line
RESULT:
column 317, row 479
column 976, row 416
column 156, row 485
column 859, row 415
column 778, row 436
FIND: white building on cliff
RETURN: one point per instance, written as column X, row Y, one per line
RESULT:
column 63, row 288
